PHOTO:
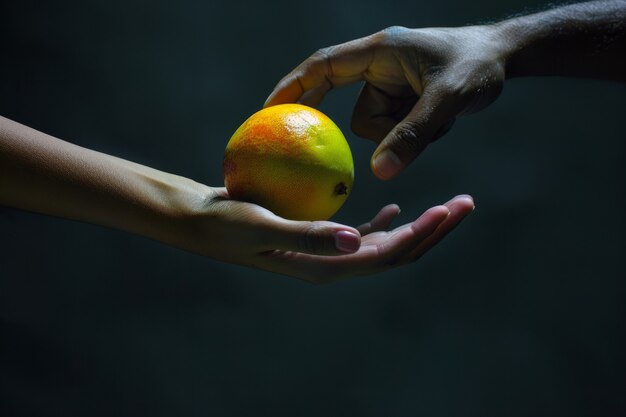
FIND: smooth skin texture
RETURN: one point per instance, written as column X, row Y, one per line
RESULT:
column 47, row 175
column 418, row 81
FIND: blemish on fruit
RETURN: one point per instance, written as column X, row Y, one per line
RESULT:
column 341, row 189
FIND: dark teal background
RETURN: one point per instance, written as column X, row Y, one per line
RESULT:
column 519, row 312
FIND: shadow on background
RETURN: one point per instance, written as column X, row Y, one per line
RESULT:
column 519, row 312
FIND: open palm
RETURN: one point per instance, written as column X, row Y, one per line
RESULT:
column 306, row 250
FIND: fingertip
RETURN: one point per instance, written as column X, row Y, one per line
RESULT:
column 465, row 201
column 286, row 91
column 347, row 242
column 393, row 208
column 465, row 196
column 388, row 213
column 273, row 98
column 386, row 164
column 268, row 100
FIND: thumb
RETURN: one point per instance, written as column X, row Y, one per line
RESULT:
column 411, row 136
column 317, row 238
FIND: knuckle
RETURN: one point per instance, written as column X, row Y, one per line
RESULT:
column 313, row 240
column 450, row 88
column 407, row 138
column 323, row 54
column 394, row 31
column 392, row 35
column 321, row 61
column 467, row 91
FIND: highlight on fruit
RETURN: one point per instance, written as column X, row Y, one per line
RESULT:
column 291, row 159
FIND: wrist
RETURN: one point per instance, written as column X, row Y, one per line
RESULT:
column 516, row 37
column 499, row 43
column 511, row 39
column 176, row 203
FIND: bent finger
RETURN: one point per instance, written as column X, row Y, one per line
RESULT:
column 326, row 69
column 376, row 112
column 369, row 258
column 315, row 238
column 460, row 207
column 381, row 221
column 405, row 239
column 411, row 136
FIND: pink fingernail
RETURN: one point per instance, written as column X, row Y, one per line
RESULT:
column 387, row 164
column 347, row 241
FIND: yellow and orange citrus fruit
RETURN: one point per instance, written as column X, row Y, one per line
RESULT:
column 291, row 159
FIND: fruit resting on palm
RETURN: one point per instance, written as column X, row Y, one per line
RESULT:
column 291, row 159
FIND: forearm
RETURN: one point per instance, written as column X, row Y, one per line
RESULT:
column 584, row 40
column 47, row 175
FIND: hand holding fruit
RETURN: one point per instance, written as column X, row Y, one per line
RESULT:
column 293, row 160
column 77, row 183
column 316, row 251
column 417, row 81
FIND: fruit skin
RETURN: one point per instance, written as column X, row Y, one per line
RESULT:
column 291, row 159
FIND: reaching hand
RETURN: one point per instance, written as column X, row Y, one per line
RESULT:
column 417, row 81
column 321, row 251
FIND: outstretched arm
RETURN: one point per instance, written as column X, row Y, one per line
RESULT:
column 578, row 40
column 47, row 175
column 44, row 174
column 417, row 81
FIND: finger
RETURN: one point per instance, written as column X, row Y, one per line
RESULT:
column 376, row 112
column 261, row 230
column 411, row 136
column 220, row 192
column 316, row 238
column 313, row 97
column 369, row 259
column 381, row 221
column 326, row 69
column 460, row 206
column 405, row 239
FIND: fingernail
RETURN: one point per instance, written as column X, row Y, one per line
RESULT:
column 469, row 197
column 387, row 164
column 268, row 99
column 347, row 241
